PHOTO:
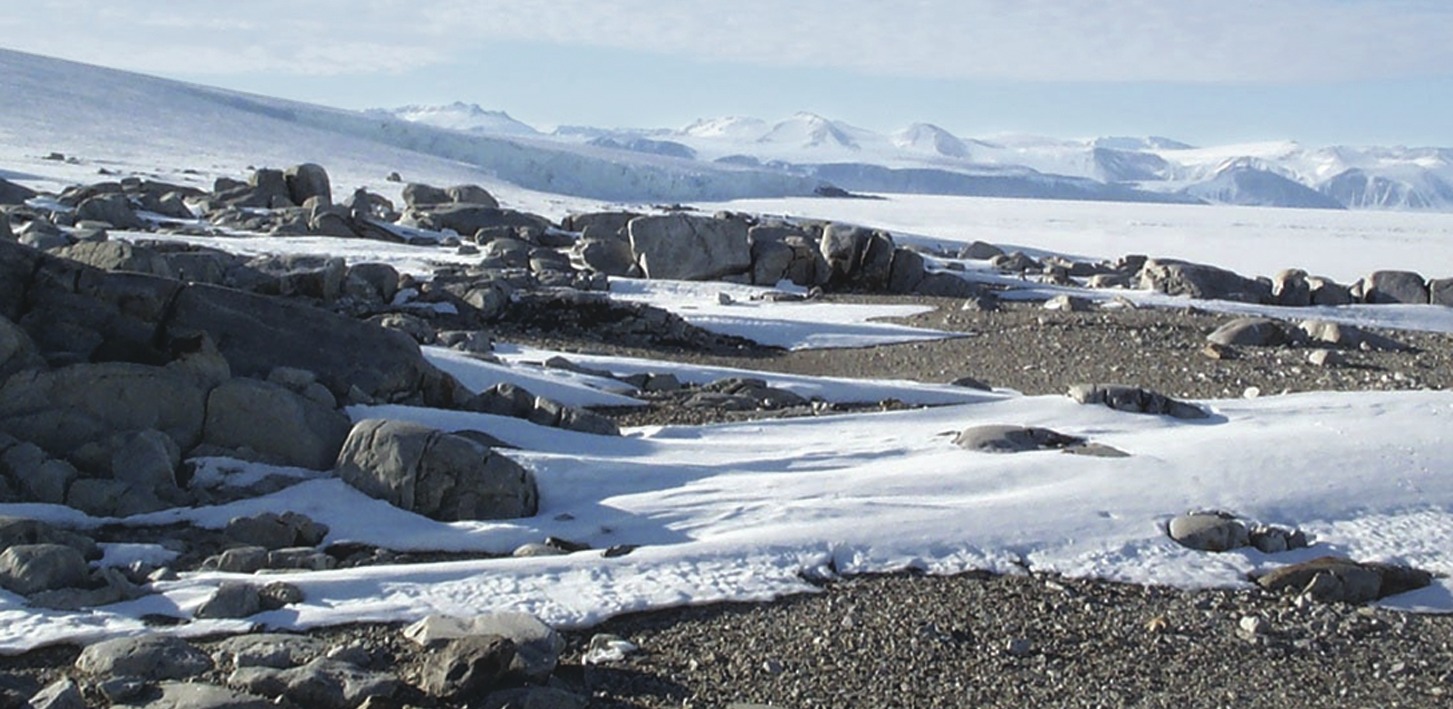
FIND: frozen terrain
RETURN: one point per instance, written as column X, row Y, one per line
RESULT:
column 748, row 510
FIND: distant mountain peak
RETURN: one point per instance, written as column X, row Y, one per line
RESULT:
column 460, row 116
column 927, row 138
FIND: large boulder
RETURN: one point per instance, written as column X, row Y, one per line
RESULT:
column 1201, row 281
column 33, row 568
column 537, row 645
column 258, row 333
column 307, row 181
column 607, row 253
column 1403, row 287
column 690, row 248
column 1209, row 531
column 18, row 265
column 281, row 426
column 908, row 271
column 440, row 475
column 114, row 209
column 61, row 409
column 468, row 668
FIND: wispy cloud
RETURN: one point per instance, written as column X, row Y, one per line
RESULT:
column 1035, row 40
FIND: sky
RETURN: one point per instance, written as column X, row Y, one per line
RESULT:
column 1203, row 71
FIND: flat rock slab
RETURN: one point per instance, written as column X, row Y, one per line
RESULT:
column 153, row 657
column 996, row 438
column 1335, row 579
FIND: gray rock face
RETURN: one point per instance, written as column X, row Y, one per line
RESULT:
column 282, row 426
column 20, row 530
column 690, row 248
column 1208, row 531
column 151, row 657
column 1395, row 287
column 1013, row 439
column 467, row 668
column 11, row 193
column 1440, row 292
column 308, row 181
column 942, row 284
column 196, row 695
column 980, row 251
column 257, row 333
column 436, row 474
column 275, row 650
column 60, row 410
column 232, row 600
column 117, row 256
column 324, row 684
column 17, row 350
column 421, row 195
column 1135, row 400
column 1325, row 291
column 114, row 209
column 1334, row 579
column 471, row 194
column 274, row 531
column 535, row 698
column 537, row 645
column 609, row 254
column 1250, row 332
column 33, row 568
column 1290, row 287
column 908, row 271
column 60, row 694
column 1201, row 281
column 843, row 246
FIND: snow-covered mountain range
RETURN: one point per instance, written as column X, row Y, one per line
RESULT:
column 925, row 158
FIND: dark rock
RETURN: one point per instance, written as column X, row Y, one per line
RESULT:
column 537, row 646
column 117, row 256
column 979, row 251
column 466, row 669
column 420, row 195
column 1395, row 287
column 1209, row 531
column 943, row 284
column 1013, row 439
column 1348, row 336
column 63, row 693
column 470, row 194
column 1440, row 292
column 1134, row 399
column 62, row 409
column 11, row 193
column 308, row 181
column 1290, row 287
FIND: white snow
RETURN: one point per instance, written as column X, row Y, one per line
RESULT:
column 739, row 511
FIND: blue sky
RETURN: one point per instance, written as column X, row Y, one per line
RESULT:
column 1204, row 71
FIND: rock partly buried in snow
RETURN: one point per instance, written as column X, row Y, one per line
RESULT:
column 34, row 568
column 150, row 657
column 1209, row 531
column 1013, row 439
column 1403, row 287
column 1250, row 332
column 1134, row 399
column 273, row 531
column 690, row 248
column 440, row 475
column 1201, row 281
column 231, row 600
column 1334, row 579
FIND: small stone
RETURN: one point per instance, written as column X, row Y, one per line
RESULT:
column 1254, row 626
column 1019, row 647
column 606, row 647
column 1326, row 358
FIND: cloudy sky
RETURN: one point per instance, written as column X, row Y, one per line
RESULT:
column 1205, row 71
